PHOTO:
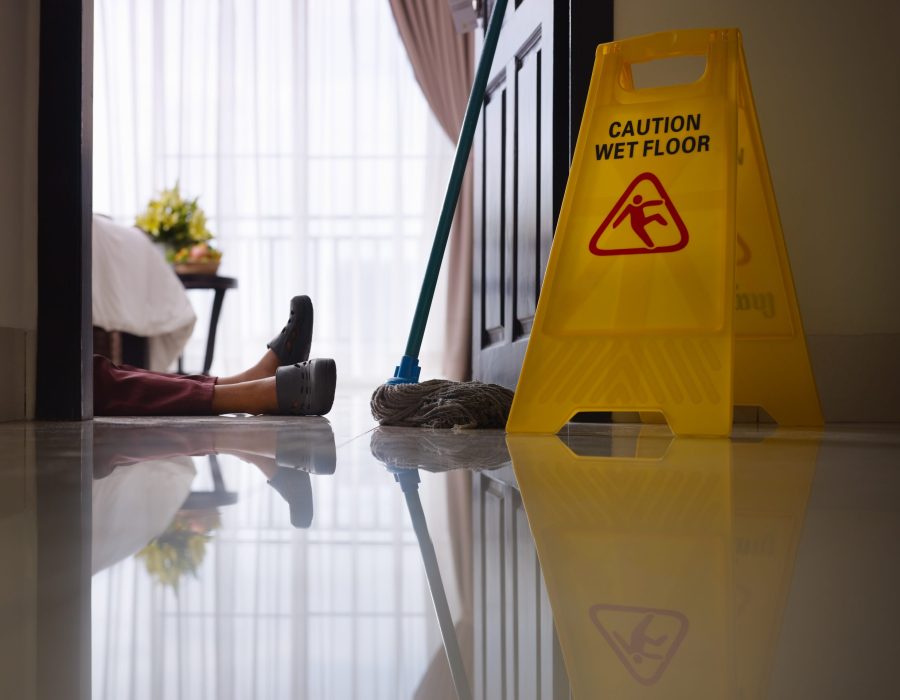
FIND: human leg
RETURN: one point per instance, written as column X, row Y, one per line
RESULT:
column 290, row 346
column 120, row 390
column 302, row 389
column 265, row 367
column 255, row 396
column 305, row 388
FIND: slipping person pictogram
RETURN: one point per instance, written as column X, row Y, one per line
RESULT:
column 639, row 219
column 636, row 206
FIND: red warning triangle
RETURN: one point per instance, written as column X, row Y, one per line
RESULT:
column 644, row 220
column 644, row 639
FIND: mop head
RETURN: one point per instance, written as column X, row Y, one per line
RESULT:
column 440, row 403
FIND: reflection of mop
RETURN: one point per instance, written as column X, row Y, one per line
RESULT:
column 439, row 450
column 441, row 403
column 409, row 483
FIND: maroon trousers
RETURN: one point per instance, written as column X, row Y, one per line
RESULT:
column 121, row 390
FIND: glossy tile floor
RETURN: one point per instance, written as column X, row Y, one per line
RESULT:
column 252, row 557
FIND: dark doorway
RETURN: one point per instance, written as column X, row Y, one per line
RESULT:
column 64, row 339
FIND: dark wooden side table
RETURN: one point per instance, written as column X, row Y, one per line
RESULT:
column 219, row 285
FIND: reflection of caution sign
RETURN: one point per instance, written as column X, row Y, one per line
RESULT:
column 712, row 322
column 744, row 255
column 644, row 639
column 644, row 220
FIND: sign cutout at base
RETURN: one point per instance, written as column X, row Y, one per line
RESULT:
column 668, row 286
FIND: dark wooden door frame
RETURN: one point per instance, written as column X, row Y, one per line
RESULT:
column 65, row 342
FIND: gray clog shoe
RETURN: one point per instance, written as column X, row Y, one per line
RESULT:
column 292, row 344
column 306, row 388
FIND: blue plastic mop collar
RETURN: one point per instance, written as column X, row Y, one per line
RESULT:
column 407, row 372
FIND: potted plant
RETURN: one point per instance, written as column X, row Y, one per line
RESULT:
column 179, row 224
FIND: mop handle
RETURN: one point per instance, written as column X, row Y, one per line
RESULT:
column 463, row 147
column 409, row 483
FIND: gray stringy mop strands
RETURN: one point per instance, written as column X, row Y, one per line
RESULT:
column 440, row 403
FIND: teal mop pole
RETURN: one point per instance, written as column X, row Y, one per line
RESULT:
column 407, row 372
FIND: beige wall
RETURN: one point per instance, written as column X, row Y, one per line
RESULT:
column 826, row 78
column 18, row 205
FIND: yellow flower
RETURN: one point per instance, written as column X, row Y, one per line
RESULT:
column 171, row 199
column 151, row 220
column 197, row 226
column 174, row 221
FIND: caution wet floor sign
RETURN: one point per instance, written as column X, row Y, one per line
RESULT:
column 668, row 286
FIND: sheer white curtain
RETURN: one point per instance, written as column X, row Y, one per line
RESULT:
column 300, row 126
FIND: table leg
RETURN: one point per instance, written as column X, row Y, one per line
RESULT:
column 213, row 324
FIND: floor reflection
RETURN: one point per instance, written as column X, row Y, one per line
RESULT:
column 300, row 558
column 439, row 450
column 45, row 555
column 406, row 453
column 143, row 500
column 668, row 560
column 255, row 558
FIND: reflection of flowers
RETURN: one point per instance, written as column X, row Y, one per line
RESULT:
column 177, row 223
column 181, row 548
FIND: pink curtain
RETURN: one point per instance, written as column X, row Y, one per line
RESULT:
column 442, row 62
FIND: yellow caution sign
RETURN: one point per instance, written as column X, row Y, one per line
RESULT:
column 668, row 286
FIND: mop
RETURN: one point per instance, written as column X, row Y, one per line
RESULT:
column 439, row 403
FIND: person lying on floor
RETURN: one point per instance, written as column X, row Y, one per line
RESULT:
column 283, row 382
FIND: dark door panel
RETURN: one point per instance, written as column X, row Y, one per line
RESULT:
column 527, row 226
column 522, row 153
column 494, row 224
